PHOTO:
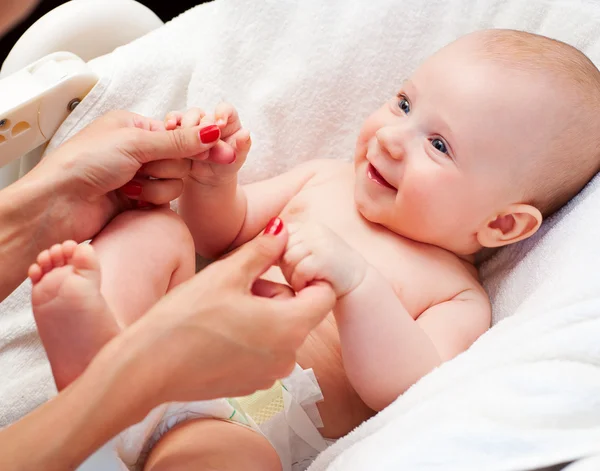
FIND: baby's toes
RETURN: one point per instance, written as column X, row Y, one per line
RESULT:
column 35, row 273
column 68, row 248
column 44, row 261
column 85, row 258
column 57, row 255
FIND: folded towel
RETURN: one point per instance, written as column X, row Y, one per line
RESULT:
column 26, row 377
column 521, row 398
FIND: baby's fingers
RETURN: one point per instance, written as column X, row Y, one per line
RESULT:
column 234, row 149
column 192, row 117
column 173, row 119
column 241, row 143
column 187, row 119
column 227, row 118
column 304, row 273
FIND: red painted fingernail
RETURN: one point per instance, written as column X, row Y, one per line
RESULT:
column 209, row 134
column 132, row 188
column 274, row 227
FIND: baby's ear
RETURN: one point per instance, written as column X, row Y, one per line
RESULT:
column 515, row 223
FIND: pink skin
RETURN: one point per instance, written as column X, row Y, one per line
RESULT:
column 444, row 198
column 66, row 298
column 14, row 11
column 233, row 137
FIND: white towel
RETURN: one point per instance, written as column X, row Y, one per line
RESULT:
column 26, row 378
column 523, row 397
column 304, row 74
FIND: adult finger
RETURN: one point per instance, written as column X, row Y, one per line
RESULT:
column 166, row 168
column 147, row 146
column 309, row 307
column 127, row 119
column 153, row 191
column 270, row 289
column 255, row 257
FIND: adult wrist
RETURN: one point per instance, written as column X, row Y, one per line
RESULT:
column 36, row 208
column 131, row 390
column 48, row 197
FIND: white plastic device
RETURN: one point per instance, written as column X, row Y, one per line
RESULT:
column 36, row 76
column 35, row 100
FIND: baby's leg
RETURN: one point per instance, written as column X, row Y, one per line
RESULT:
column 142, row 254
column 212, row 445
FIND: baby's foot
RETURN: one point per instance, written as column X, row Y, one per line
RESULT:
column 72, row 317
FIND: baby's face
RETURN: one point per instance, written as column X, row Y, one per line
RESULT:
column 434, row 163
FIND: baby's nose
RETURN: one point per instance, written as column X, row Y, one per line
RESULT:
column 393, row 139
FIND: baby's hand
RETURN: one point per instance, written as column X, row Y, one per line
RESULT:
column 315, row 253
column 224, row 160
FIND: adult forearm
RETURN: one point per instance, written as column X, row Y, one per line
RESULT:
column 214, row 215
column 63, row 432
column 31, row 211
column 384, row 350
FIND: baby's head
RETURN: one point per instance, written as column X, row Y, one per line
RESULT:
column 491, row 134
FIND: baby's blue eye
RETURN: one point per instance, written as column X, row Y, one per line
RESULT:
column 404, row 105
column 439, row 145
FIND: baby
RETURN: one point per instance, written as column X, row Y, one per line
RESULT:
column 490, row 135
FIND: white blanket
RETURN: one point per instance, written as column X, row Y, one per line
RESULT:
column 304, row 74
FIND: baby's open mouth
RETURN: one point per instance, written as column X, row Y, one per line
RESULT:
column 374, row 175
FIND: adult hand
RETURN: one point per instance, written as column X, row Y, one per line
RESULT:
column 120, row 150
column 221, row 164
column 212, row 336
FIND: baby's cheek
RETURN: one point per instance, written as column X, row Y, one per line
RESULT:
column 422, row 196
column 363, row 137
column 371, row 125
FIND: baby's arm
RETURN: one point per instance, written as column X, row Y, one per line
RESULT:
column 385, row 350
column 221, row 214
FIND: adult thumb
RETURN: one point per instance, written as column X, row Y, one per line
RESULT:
column 181, row 143
column 255, row 257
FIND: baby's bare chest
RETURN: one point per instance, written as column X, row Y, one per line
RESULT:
column 420, row 274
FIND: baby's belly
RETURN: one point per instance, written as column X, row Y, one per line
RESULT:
column 342, row 409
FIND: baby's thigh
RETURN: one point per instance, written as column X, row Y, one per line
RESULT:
column 143, row 254
column 215, row 445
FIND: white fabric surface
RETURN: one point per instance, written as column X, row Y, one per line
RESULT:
column 304, row 74
column 26, row 378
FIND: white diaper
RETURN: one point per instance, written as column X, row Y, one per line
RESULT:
column 286, row 414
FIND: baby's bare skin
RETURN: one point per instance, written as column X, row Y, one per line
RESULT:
column 442, row 170
column 422, row 275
